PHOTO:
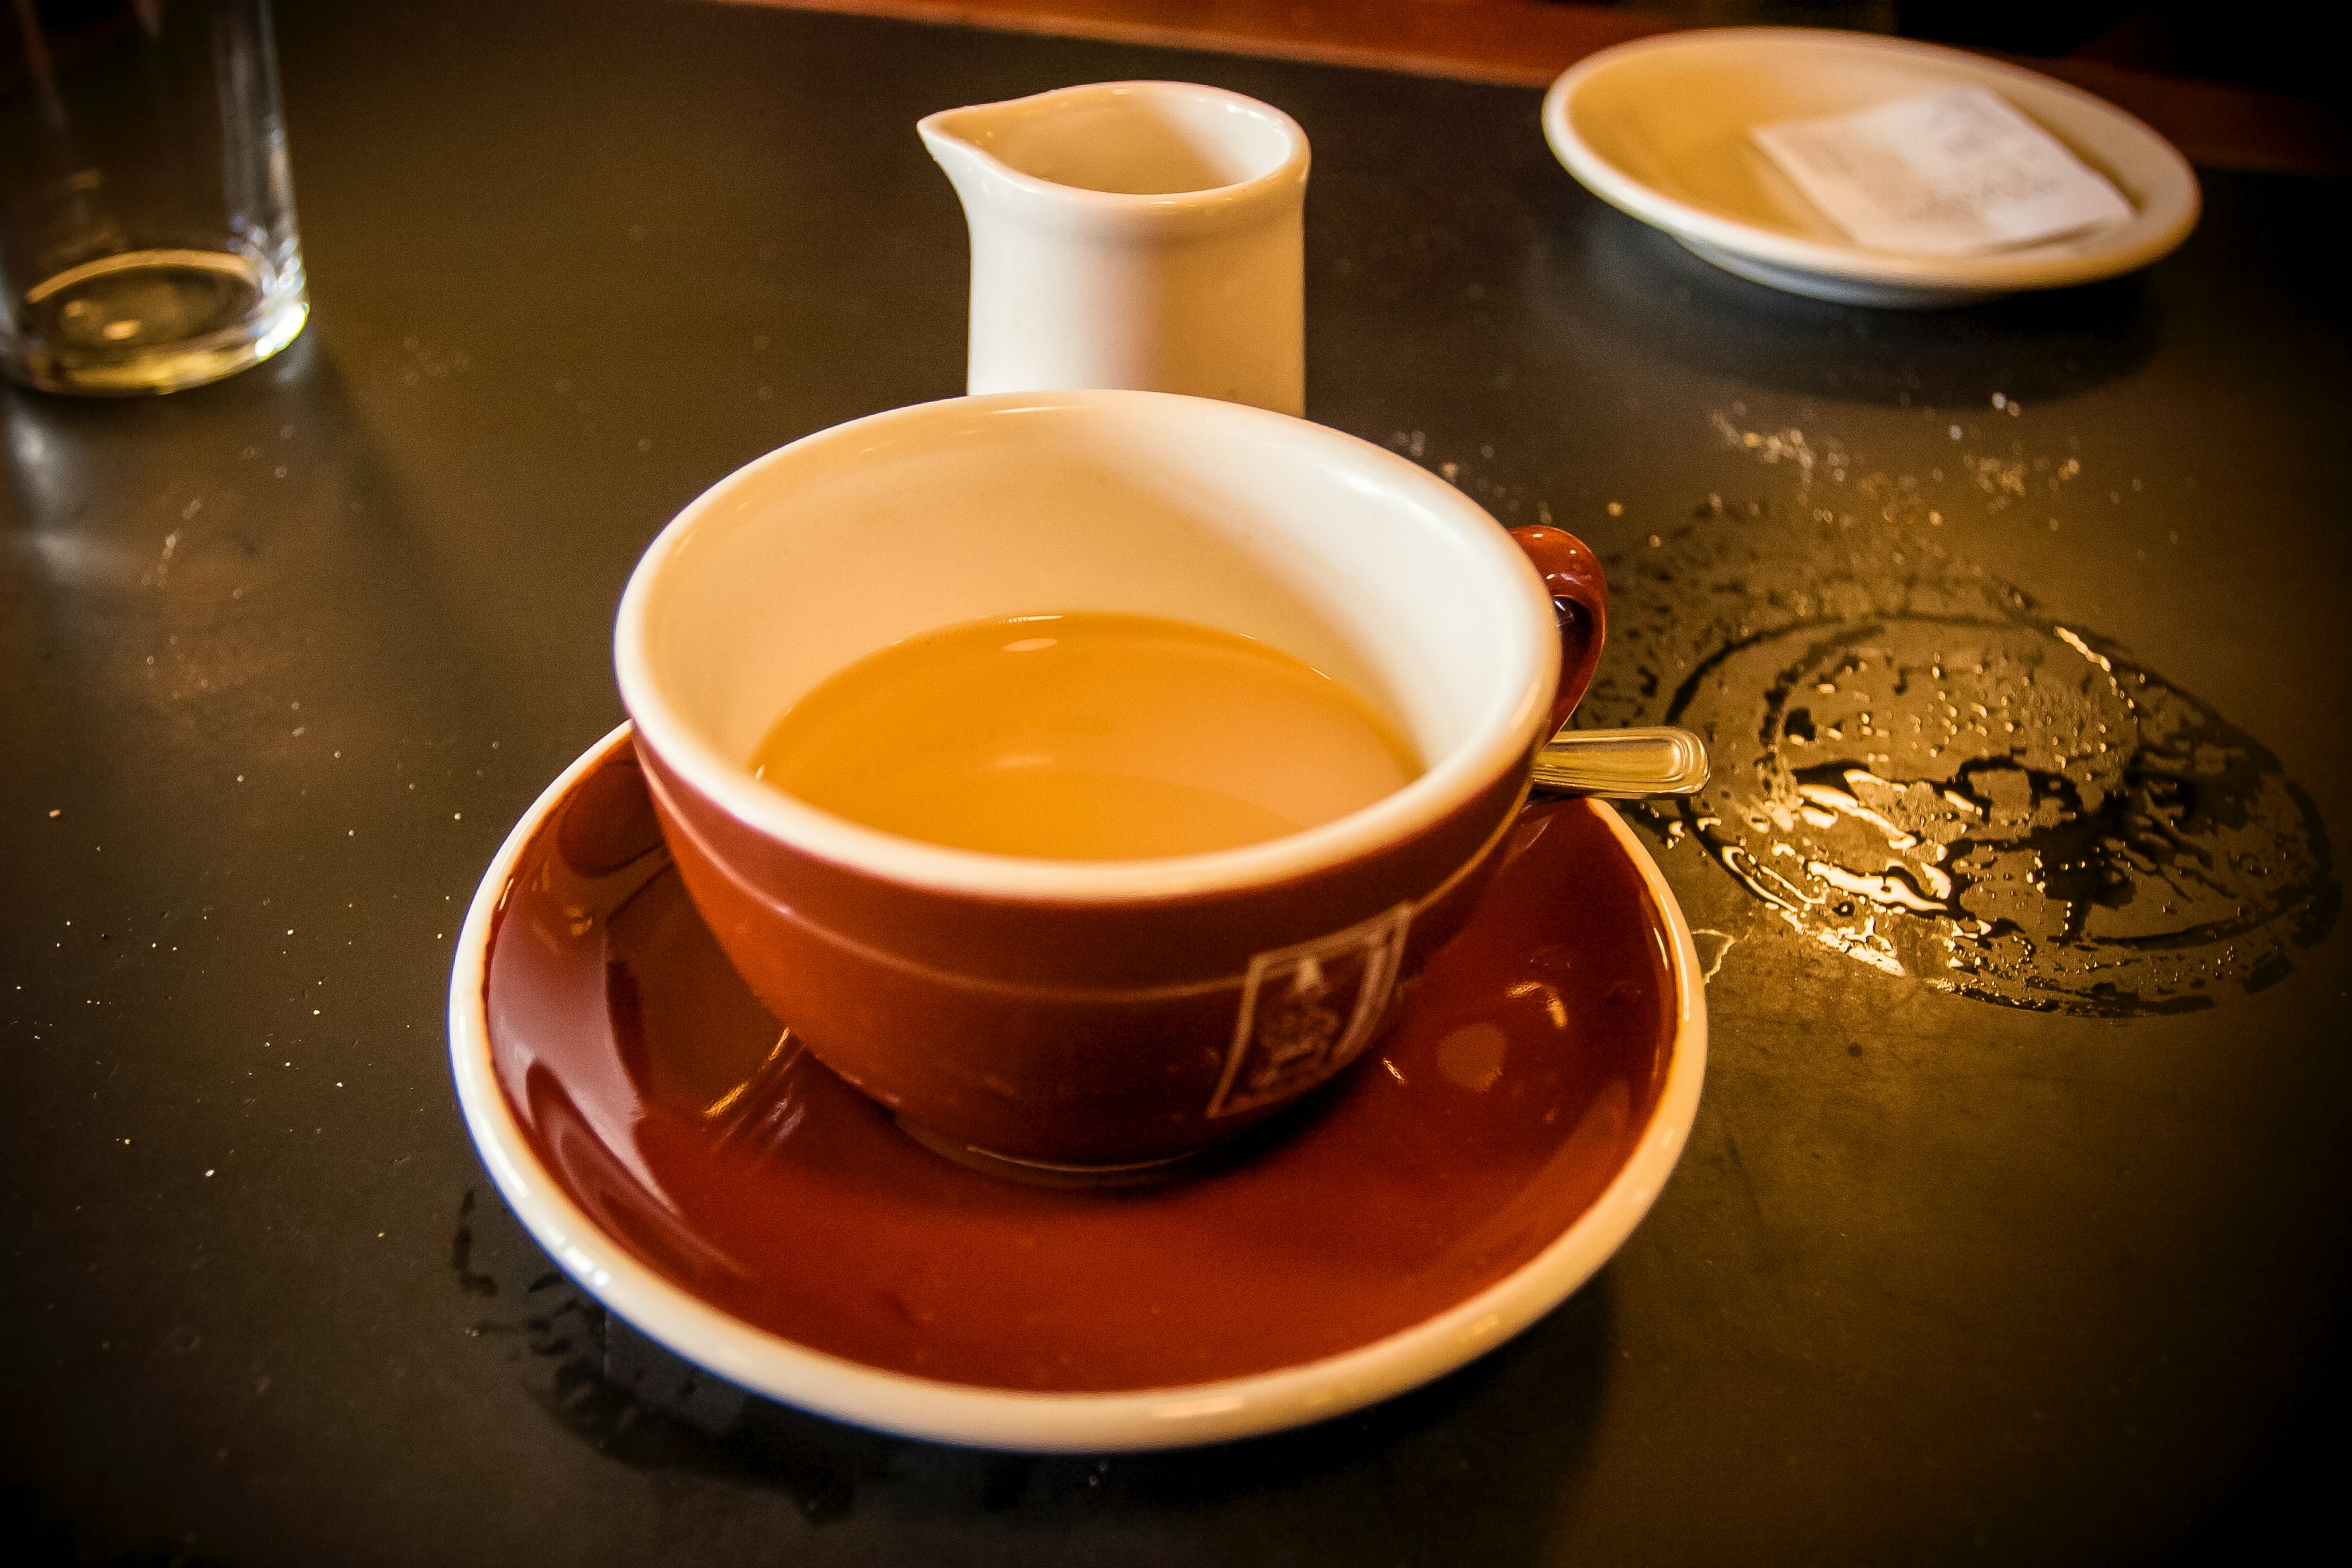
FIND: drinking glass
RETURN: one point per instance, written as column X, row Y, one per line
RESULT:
column 147, row 236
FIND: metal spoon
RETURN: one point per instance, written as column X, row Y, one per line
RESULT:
column 1623, row 764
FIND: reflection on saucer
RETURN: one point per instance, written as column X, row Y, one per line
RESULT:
column 679, row 1116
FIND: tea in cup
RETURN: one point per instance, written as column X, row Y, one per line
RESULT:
column 1086, row 736
column 1224, row 586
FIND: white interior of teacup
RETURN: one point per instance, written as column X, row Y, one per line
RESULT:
column 1133, row 138
column 1344, row 556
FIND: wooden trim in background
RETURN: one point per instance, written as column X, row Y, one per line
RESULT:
column 1524, row 43
column 1518, row 43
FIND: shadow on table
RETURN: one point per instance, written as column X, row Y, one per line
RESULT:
column 1616, row 281
column 281, row 522
column 1477, row 1463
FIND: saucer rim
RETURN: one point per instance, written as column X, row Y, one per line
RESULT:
column 1844, row 271
column 1123, row 1420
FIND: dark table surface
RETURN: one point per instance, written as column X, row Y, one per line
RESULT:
column 2012, row 1233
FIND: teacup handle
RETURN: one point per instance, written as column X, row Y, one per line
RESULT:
column 1580, row 601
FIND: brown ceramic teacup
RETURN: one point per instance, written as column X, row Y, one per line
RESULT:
column 1074, row 1013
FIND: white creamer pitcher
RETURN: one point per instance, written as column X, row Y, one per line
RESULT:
column 1133, row 234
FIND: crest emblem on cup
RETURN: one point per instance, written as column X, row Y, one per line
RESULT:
column 1306, row 1011
column 1106, row 1014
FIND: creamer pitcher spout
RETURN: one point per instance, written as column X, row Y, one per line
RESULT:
column 1136, row 233
column 957, row 138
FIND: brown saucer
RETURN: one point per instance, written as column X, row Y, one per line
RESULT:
column 651, row 1090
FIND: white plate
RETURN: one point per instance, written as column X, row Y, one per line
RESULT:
column 1659, row 128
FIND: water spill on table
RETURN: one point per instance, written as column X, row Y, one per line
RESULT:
column 1919, row 768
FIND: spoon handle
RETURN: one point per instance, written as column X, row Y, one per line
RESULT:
column 1623, row 764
